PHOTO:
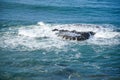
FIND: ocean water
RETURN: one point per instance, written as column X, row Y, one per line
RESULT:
column 29, row 50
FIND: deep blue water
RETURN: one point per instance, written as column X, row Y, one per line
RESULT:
column 25, row 53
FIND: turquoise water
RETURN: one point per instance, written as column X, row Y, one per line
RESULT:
column 29, row 50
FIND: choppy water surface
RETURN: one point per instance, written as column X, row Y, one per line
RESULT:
column 29, row 50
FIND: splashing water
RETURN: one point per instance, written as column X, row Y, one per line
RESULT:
column 40, row 36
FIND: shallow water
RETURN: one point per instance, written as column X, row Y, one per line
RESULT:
column 30, row 50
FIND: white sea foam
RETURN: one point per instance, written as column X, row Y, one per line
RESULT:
column 40, row 36
column 106, row 34
column 41, row 23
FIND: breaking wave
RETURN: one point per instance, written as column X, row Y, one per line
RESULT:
column 40, row 36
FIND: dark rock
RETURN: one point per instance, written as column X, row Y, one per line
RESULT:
column 74, row 35
column 55, row 30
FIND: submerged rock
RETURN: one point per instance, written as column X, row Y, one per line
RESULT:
column 74, row 35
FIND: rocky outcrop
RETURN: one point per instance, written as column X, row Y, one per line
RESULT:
column 73, row 35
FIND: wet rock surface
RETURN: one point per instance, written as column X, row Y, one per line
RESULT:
column 73, row 35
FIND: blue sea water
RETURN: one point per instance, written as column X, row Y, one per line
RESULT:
column 26, row 53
